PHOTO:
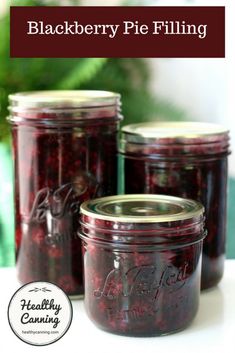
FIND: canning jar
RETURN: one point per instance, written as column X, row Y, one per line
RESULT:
column 142, row 262
column 187, row 160
column 65, row 152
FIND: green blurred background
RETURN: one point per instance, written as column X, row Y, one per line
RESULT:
column 130, row 77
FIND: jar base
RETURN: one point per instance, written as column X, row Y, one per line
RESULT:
column 210, row 285
column 212, row 271
column 139, row 335
column 76, row 297
column 23, row 281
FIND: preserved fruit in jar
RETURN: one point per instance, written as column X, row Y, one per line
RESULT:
column 142, row 262
column 187, row 160
column 65, row 152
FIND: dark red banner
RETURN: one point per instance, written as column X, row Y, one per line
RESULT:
column 117, row 31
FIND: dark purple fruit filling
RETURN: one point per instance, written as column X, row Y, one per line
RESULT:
column 141, row 293
column 204, row 181
column 56, row 169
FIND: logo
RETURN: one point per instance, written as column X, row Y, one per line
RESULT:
column 145, row 280
column 56, row 210
column 40, row 313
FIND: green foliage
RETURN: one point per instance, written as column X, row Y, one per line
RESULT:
column 130, row 77
column 82, row 73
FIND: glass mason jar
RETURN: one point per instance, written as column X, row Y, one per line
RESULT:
column 142, row 262
column 65, row 152
column 187, row 160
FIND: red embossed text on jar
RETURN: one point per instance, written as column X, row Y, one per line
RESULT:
column 65, row 152
column 142, row 262
column 187, row 160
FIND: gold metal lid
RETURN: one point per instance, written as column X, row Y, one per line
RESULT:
column 61, row 99
column 180, row 131
column 142, row 208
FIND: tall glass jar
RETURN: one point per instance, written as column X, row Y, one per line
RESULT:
column 187, row 160
column 142, row 262
column 65, row 152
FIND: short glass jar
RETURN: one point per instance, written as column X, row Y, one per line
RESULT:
column 65, row 152
column 142, row 262
column 187, row 160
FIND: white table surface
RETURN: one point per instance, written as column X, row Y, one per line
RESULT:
column 213, row 330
